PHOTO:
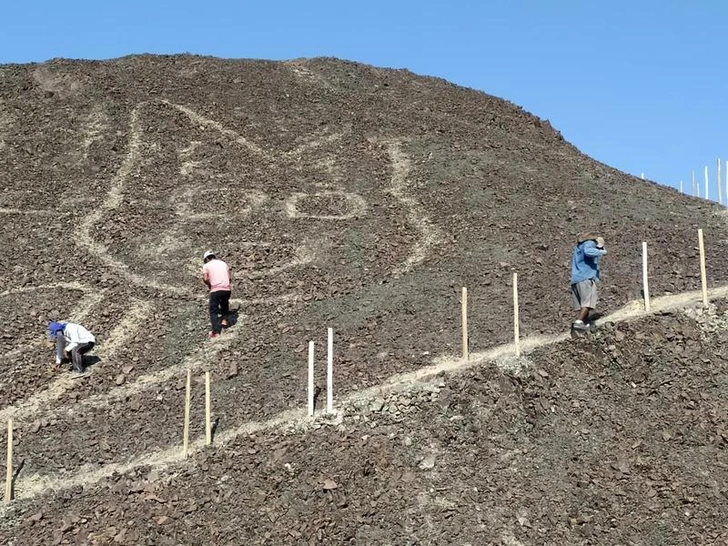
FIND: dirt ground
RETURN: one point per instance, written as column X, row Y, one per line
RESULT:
column 616, row 440
column 361, row 199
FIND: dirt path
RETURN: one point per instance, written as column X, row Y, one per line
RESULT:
column 502, row 356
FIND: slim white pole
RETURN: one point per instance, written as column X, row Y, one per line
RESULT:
column 645, row 284
column 703, row 276
column 310, row 378
column 720, row 190
column 516, row 326
column 188, row 400
column 707, row 193
column 696, row 192
column 208, row 410
column 464, row 317
column 9, row 465
column 330, row 374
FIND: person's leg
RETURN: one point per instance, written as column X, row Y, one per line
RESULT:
column 77, row 356
column 214, row 307
column 224, row 307
column 591, row 300
column 580, row 298
column 77, row 359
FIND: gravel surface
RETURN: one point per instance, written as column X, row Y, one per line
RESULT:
column 362, row 199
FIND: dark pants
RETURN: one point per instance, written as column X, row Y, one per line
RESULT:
column 219, row 308
column 76, row 353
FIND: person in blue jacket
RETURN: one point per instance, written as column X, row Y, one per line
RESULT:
column 585, row 274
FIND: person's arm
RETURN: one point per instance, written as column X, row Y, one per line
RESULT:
column 206, row 277
column 60, row 348
column 591, row 250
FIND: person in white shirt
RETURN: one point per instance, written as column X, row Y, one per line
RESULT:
column 72, row 342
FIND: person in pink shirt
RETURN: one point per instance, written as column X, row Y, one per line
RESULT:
column 216, row 275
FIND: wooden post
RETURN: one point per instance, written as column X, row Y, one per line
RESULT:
column 681, row 187
column 720, row 190
column 516, row 326
column 330, row 373
column 9, row 465
column 707, row 193
column 703, row 277
column 310, row 378
column 645, row 284
column 188, row 400
column 696, row 193
column 464, row 315
column 208, row 411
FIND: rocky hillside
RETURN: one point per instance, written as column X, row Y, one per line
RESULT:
column 342, row 196
column 621, row 440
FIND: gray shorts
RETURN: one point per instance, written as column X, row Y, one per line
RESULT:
column 584, row 294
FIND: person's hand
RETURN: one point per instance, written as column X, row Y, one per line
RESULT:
column 600, row 242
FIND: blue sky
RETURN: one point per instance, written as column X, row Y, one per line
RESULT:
column 641, row 85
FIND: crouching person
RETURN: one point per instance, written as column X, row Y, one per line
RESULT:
column 72, row 342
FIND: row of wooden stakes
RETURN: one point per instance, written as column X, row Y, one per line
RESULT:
column 329, row 370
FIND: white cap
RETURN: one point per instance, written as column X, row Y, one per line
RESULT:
column 208, row 254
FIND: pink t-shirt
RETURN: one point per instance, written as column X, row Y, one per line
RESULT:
column 217, row 273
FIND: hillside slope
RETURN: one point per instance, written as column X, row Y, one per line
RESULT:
column 342, row 195
column 617, row 441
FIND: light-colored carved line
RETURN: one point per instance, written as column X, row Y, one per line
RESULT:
column 38, row 212
column 429, row 235
column 356, row 203
column 206, row 122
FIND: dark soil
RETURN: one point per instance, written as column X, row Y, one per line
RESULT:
column 619, row 440
column 361, row 199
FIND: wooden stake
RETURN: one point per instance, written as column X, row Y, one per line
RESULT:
column 516, row 327
column 681, row 187
column 720, row 190
column 645, row 284
column 208, row 411
column 188, row 400
column 707, row 193
column 330, row 373
column 703, row 277
column 464, row 315
column 310, row 378
column 9, row 465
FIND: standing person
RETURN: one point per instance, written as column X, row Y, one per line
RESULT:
column 72, row 342
column 216, row 275
column 585, row 274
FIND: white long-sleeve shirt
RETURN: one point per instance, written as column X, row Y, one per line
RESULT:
column 75, row 335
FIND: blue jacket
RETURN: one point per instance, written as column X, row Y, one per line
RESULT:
column 585, row 261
